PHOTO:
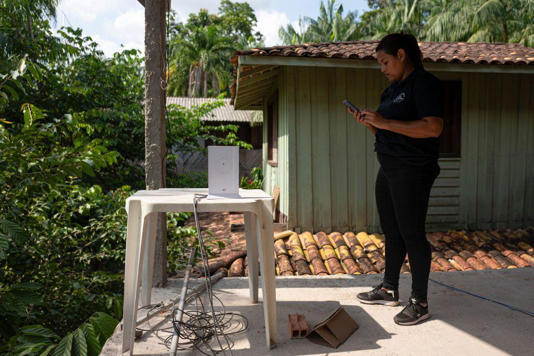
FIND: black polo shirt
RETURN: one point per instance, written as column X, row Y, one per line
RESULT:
column 417, row 96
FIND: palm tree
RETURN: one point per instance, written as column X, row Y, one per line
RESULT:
column 525, row 35
column 450, row 20
column 205, row 53
column 482, row 21
column 17, row 28
column 503, row 21
column 330, row 26
column 289, row 35
column 29, row 10
column 394, row 16
column 345, row 29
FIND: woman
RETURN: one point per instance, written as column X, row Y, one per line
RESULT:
column 407, row 125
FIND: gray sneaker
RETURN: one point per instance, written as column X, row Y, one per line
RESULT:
column 379, row 296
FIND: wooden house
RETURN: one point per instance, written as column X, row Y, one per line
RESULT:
column 324, row 162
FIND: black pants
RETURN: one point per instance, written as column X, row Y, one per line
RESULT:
column 402, row 193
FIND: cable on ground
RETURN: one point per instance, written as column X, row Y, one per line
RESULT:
column 529, row 313
column 202, row 328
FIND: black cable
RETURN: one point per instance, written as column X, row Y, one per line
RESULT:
column 529, row 313
column 217, row 328
column 202, row 325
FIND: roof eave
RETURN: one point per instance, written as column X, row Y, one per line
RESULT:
column 371, row 63
column 251, row 60
column 262, row 78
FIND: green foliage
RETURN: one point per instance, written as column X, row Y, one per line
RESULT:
column 237, row 20
column 199, row 49
column 431, row 20
column 482, row 21
column 71, row 231
column 61, row 235
column 189, row 180
column 86, row 340
column 15, row 301
column 186, row 132
column 71, row 134
column 254, row 181
column 291, row 35
column 9, row 85
column 181, row 239
column 330, row 26
column 24, row 28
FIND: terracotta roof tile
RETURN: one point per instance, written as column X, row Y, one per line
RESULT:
column 452, row 52
column 335, row 253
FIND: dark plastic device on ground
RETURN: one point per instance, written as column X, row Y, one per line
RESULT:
column 351, row 106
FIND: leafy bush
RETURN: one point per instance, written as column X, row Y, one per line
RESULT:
column 254, row 181
column 186, row 132
column 188, row 180
column 71, row 134
column 61, row 243
column 87, row 340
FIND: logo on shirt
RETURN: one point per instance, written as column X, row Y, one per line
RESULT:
column 400, row 98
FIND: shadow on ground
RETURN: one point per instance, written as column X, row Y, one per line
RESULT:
column 460, row 323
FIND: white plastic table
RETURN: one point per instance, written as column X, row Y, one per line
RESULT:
column 142, row 209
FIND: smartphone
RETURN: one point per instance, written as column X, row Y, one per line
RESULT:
column 351, row 106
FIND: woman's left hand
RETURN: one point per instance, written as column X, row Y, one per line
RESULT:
column 374, row 118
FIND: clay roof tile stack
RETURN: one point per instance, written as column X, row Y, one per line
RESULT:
column 362, row 253
column 323, row 254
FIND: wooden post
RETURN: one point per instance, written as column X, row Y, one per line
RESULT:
column 155, row 11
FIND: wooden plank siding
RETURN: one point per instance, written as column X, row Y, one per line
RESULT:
column 497, row 146
column 527, row 109
column 304, row 162
column 327, row 164
column 338, row 149
column 322, row 118
column 443, row 207
column 289, row 117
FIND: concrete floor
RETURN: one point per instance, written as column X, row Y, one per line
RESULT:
column 460, row 324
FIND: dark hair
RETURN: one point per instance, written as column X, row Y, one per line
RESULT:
column 395, row 41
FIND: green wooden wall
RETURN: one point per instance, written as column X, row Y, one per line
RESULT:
column 497, row 167
column 327, row 165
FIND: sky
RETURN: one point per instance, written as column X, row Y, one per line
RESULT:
column 116, row 23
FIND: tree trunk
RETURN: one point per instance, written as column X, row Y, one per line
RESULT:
column 155, row 122
column 195, row 81
column 198, row 81
column 191, row 82
column 215, row 84
column 205, row 84
column 505, row 32
column 30, row 27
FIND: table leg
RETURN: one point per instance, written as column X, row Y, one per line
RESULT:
column 251, row 233
column 131, row 274
column 267, row 271
column 151, row 223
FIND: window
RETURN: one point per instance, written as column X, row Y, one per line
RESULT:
column 452, row 107
column 272, row 133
